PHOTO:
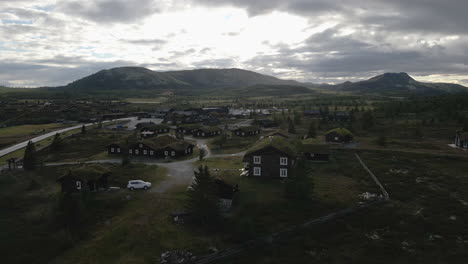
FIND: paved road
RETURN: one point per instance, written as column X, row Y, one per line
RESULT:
column 21, row 145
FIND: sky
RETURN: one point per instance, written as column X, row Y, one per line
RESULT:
column 54, row 42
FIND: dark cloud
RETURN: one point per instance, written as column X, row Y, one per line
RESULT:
column 13, row 73
column 150, row 42
column 110, row 11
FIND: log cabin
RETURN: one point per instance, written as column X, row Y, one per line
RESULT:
column 461, row 139
column 246, row 131
column 339, row 135
column 270, row 158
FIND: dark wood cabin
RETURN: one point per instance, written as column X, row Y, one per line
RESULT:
column 461, row 139
column 339, row 135
column 246, row 131
column 188, row 129
column 84, row 179
column 315, row 152
column 270, row 158
column 207, row 132
column 156, row 147
column 266, row 123
column 277, row 133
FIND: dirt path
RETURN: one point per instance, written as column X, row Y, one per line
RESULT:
column 178, row 172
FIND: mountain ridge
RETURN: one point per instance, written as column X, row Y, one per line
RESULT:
column 238, row 80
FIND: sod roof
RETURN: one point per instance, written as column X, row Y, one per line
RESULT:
column 277, row 143
column 340, row 131
column 247, row 128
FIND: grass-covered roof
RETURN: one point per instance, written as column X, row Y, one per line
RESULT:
column 278, row 143
column 340, row 131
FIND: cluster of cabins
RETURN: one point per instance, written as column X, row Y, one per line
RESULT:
column 164, row 146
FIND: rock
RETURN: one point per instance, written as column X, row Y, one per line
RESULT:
column 213, row 249
column 373, row 236
column 453, row 217
column 128, row 197
column 177, row 257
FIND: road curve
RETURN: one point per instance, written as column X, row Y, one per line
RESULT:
column 21, row 145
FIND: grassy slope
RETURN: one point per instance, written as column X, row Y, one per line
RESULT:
column 29, row 234
column 414, row 227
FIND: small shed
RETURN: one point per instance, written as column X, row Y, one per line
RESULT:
column 339, row 135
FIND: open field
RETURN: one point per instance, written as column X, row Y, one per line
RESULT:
column 15, row 134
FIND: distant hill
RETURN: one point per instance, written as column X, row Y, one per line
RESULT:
column 398, row 84
column 138, row 78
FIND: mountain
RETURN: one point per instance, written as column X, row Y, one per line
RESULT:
column 398, row 84
column 138, row 78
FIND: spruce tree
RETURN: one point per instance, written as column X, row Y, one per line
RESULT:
column 29, row 159
column 312, row 133
column 56, row 143
column 299, row 186
column 291, row 128
column 203, row 203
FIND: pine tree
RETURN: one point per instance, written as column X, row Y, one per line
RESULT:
column 56, row 143
column 291, row 128
column 312, row 133
column 29, row 159
column 203, row 203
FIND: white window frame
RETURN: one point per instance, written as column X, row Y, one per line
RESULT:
column 112, row 150
column 257, row 171
column 137, row 152
column 172, row 153
column 118, row 150
column 283, row 160
column 151, row 152
column 257, row 159
column 145, row 152
column 166, row 153
column 283, row 173
column 130, row 151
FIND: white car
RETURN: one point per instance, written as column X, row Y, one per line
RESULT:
column 138, row 184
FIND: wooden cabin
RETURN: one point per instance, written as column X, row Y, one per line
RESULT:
column 188, row 129
column 246, row 131
column 156, row 147
column 207, row 131
column 461, row 139
column 270, row 158
column 339, row 135
column 315, row 152
column 87, row 178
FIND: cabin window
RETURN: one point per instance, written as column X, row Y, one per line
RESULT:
column 130, row 151
column 112, row 149
column 78, row 185
column 257, row 159
column 151, row 152
column 141, row 145
column 145, row 152
column 336, row 138
column 173, row 153
column 137, row 151
column 283, row 161
column 118, row 150
column 257, row 171
column 166, row 153
column 283, row 173
column 243, row 133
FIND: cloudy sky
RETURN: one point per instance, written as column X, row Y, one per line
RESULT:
column 53, row 42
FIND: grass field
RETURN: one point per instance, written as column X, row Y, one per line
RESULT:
column 15, row 134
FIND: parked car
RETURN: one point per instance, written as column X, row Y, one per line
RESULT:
column 138, row 184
